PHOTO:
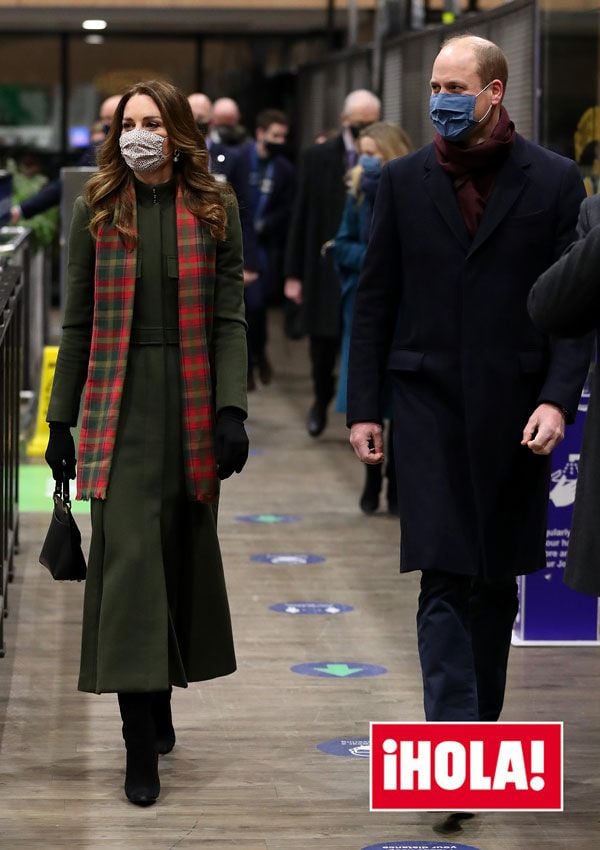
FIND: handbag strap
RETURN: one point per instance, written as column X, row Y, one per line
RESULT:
column 61, row 489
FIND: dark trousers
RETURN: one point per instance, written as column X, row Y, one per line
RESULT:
column 464, row 628
column 255, row 299
column 323, row 355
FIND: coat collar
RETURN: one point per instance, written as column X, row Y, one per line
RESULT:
column 510, row 183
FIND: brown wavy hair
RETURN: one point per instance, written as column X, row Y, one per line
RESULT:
column 203, row 195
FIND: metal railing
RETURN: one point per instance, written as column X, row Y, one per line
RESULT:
column 12, row 289
column 17, row 249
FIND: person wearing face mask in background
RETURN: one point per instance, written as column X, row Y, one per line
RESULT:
column 271, row 187
column 311, row 279
column 226, row 124
column 154, row 321
column 226, row 165
column 461, row 230
column 49, row 196
column 377, row 144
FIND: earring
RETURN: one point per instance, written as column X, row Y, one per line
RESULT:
column 176, row 155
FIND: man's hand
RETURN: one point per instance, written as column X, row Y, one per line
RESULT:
column 15, row 214
column 293, row 289
column 366, row 439
column 545, row 429
column 249, row 277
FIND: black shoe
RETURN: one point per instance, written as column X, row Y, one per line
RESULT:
column 142, row 783
column 452, row 822
column 317, row 420
column 161, row 711
column 369, row 500
column 265, row 370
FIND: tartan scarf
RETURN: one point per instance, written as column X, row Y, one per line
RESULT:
column 114, row 291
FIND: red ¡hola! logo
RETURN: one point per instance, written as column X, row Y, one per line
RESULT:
column 476, row 766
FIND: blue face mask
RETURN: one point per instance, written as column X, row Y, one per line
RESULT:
column 371, row 165
column 452, row 114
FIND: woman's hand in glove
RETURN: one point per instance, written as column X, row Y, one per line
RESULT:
column 231, row 441
column 61, row 447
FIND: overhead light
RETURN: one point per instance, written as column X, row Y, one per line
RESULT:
column 94, row 39
column 94, row 25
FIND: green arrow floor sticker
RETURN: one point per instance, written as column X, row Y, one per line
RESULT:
column 36, row 486
column 339, row 669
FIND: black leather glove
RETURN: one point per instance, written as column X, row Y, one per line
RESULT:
column 61, row 447
column 231, row 441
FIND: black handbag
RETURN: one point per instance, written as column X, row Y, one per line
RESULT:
column 61, row 553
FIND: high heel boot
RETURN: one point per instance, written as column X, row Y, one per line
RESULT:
column 142, row 783
column 163, row 721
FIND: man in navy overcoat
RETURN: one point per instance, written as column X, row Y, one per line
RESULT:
column 461, row 230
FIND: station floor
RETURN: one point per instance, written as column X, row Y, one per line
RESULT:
column 247, row 771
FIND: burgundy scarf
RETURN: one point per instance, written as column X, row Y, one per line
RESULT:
column 473, row 169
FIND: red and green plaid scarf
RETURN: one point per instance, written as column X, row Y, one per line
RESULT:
column 114, row 291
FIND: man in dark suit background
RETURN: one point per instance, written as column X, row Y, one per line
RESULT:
column 311, row 279
column 461, row 230
column 226, row 165
column 271, row 195
column 565, row 301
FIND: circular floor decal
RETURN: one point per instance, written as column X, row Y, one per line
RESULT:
column 419, row 845
column 287, row 558
column 268, row 519
column 338, row 669
column 311, row 608
column 357, row 748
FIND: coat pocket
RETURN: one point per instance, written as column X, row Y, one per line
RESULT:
column 403, row 360
column 532, row 362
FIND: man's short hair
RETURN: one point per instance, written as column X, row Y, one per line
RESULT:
column 491, row 61
column 268, row 117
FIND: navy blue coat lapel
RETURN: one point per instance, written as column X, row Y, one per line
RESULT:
column 442, row 193
column 510, row 183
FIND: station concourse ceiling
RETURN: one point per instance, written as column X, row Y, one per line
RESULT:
column 207, row 16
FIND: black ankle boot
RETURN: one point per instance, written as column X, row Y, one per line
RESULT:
column 369, row 500
column 142, row 783
column 161, row 711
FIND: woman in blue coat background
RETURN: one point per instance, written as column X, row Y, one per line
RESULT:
column 377, row 144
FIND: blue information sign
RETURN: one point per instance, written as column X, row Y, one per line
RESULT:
column 311, row 608
column 268, row 519
column 549, row 610
column 288, row 558
column 419, row 845
column 356, row 748
column 339, row 669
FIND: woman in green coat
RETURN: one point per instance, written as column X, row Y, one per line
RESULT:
column 154, row 328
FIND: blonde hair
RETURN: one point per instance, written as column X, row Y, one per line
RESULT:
column 391, row 142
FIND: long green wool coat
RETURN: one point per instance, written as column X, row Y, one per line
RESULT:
column 155, row 609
